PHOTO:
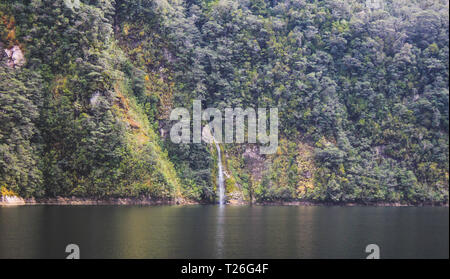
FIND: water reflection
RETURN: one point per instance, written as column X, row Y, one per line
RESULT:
column 220, row 233
column 223, row 231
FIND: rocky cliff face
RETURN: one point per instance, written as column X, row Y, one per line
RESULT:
column 15, row 56
column 11, row 200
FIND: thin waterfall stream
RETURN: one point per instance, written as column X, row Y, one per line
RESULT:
column 220, row 180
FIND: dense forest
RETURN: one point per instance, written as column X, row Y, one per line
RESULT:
column 362, row 90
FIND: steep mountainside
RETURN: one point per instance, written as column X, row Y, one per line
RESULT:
column 87, row 87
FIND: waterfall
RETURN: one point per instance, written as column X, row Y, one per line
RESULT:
column 220, row 181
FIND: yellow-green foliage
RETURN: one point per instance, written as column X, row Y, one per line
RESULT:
column 282, row 177
column 306, row 169
column 239, row 174
column 159, row 180
column 4, row 192
column 82, row 115
column 142, row 49
column 230, row 184
column 8, row 30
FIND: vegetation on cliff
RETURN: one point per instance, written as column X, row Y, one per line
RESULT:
column 362, row 97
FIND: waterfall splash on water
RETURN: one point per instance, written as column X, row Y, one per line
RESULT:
column 220, row 180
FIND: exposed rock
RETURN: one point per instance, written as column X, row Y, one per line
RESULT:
column 254, row 161
column 236, row 198
column 15, row 57
column 11, row 200
column 105, row 201
column 95, row 98
column 379, row 150
column 133, row 124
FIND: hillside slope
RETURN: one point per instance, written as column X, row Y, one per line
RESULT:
column 87, row 87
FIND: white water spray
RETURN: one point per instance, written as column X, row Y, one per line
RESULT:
column 220, row 181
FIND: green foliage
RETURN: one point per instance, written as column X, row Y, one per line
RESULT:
column 368, row 90
column 19, row 161
column 93, row 139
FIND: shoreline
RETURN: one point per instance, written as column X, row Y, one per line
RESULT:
column 350, row 204
column 15, row 201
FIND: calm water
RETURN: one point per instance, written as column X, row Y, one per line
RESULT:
column 223, row 232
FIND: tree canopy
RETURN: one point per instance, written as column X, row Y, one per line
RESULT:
column 362, row 96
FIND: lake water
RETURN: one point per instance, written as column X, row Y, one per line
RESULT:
column 223, row 232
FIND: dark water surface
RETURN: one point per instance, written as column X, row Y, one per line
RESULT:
column 223, row 232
